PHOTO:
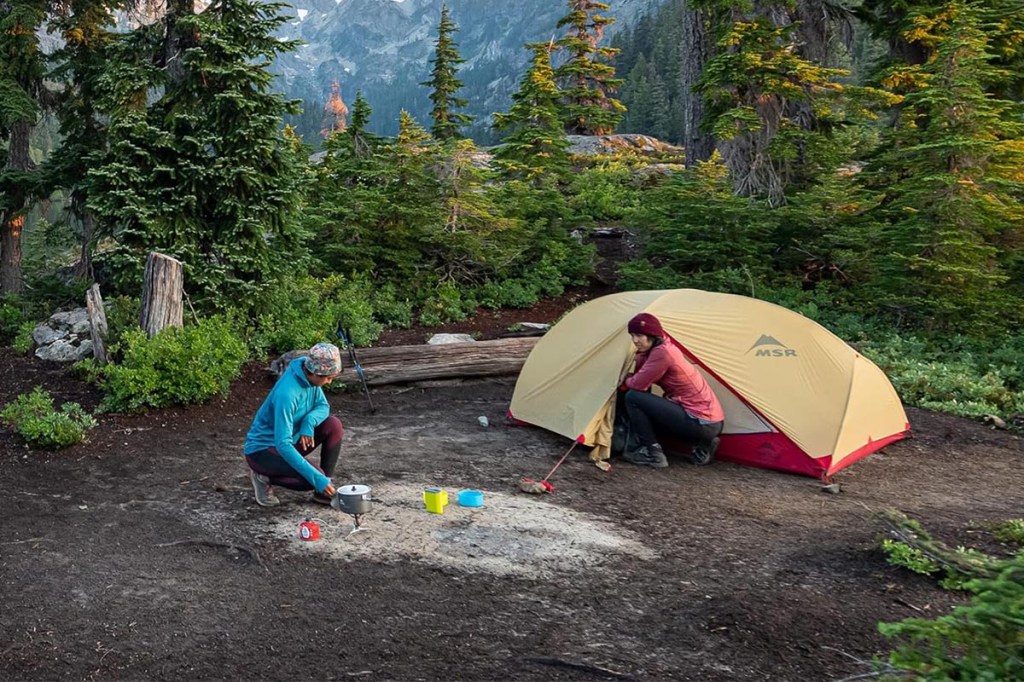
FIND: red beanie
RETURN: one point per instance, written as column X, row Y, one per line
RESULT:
column 645, row 323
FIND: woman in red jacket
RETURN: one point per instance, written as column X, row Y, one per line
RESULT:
column 688, row 412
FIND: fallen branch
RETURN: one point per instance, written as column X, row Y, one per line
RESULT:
column 903, row 529
column 585, row 667
column 249, row 551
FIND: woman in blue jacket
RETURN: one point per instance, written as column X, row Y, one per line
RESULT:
column 293, row 420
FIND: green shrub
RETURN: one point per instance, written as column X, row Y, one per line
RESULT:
column 1010, row 532
column 447, row 304
column 12, row 317
column 175, row 367
column 299, row 313
column 983, row 640
column 34, row 418
column 903, row 555
column 23, row 341
column 391, row 310
column 604, row 193
column 510, row 293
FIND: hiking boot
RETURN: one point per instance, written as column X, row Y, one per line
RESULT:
column 264, row 492
column 647, row 456
column 321, row 499
column 703, row 453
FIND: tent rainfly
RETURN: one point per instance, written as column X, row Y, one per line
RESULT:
column 796, row 397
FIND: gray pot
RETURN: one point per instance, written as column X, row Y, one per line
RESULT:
column 352, row 499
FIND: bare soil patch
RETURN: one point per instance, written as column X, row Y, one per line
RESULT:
column 141, row 554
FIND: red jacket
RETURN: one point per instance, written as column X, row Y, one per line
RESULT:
column 665, row 366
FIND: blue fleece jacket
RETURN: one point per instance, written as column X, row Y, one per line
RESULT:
column 293, row 409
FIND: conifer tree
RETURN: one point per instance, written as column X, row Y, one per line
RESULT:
column 362, row 140
column 203, row 172
column 535, row 144
column 950, row 174
column 771, row 109
column 586, row 78
column 22, row 70
column 87, row 30
column 444, row 83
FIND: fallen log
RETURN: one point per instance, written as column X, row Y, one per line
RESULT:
column 400, row 364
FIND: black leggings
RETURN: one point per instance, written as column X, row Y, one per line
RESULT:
column 272, row 465
column 651, row 415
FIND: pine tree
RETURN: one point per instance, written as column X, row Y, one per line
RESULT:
column 535, row 144
column 203, row 172
column 636, row 97
column 444, row 83
column 951, row 178
column 771, row 109
column 87, row 31
column 586, row 77
column 362, row 140
column 22, row 70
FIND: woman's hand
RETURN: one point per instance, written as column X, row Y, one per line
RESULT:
column 329, row 491
column 306, row 443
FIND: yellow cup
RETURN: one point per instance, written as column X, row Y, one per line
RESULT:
column 435, row 499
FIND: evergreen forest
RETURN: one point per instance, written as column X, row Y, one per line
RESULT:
column 859, row 162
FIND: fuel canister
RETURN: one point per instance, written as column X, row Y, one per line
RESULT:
column 309, row 530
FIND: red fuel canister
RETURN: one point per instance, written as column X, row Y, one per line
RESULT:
column 309, row 530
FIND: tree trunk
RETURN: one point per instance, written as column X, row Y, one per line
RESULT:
column 178, row 39
column 399, row 364
column 695, row 51
column 162, row 293
column 83, row 268
column 13, row 219
column 97, row 323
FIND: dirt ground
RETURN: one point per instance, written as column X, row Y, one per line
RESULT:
column 140, row 555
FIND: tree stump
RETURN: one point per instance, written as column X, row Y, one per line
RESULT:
column 162, row 293
column 97, row 323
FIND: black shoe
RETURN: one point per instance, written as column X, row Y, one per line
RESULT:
column 322, row 499
column 647, row 456
column 705, row 452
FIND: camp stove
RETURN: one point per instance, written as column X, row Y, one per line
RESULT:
column 354, row 500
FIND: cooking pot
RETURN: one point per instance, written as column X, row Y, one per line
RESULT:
column 352, row 499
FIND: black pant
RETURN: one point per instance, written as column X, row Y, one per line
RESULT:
column 650, row 415
column 272, row 465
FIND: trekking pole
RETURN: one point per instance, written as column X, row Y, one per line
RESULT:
column 345, row 337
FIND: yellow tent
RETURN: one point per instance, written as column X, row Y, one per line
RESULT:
column 796, row 397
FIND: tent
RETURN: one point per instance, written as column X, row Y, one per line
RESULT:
column 796, row 397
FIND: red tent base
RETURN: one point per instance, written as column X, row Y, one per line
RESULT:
column 776, row 451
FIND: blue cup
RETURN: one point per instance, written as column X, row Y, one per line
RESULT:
column 471, row 498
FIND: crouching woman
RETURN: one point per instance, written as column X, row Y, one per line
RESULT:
column 293, row 420
column 689, row 411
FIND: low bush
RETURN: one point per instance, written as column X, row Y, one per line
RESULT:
column 1010, row 532
column 297, row 314
column 607, row 192
column 982, row 640
column 34, row 418
column 23, row 340
column 175, row 367
column 12, row 317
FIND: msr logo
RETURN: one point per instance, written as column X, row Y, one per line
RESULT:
column 769, row 347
